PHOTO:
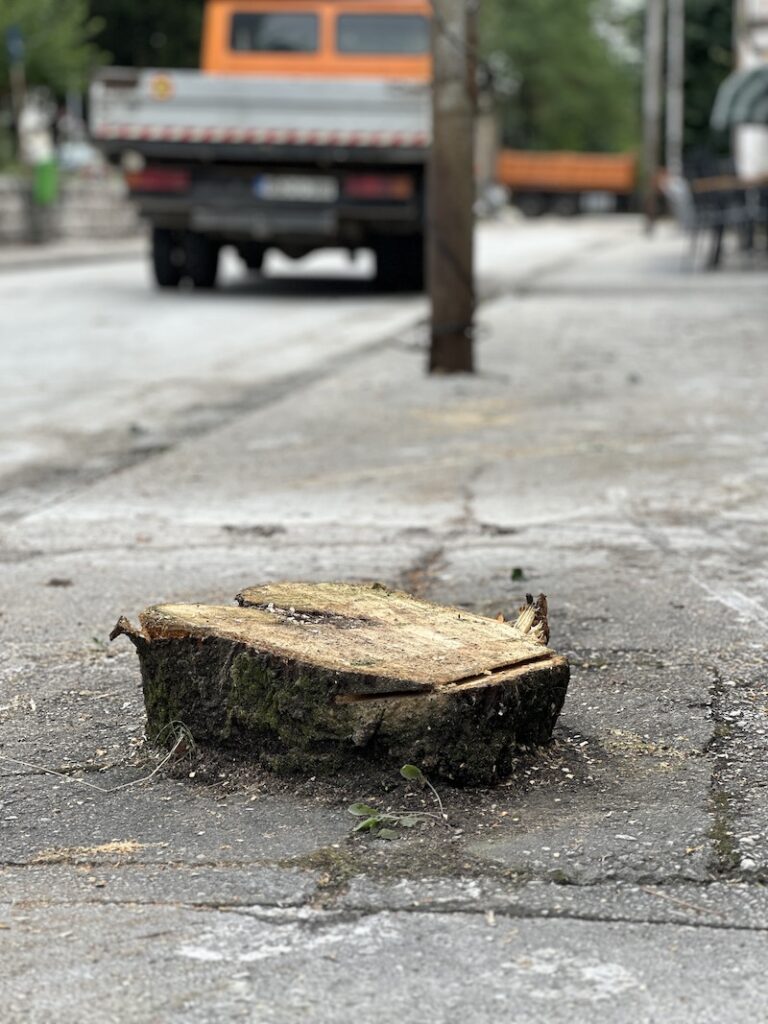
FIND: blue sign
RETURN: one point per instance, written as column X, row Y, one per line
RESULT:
column 14, row 44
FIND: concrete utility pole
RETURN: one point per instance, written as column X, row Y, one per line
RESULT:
column 675, row 86
column 653, row 70
column 451, row 189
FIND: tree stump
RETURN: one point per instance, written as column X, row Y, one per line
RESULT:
column 306, row 676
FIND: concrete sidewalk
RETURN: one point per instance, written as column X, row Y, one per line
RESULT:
column 611, row 453
column 71, row 253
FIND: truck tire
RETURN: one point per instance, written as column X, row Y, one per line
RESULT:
column 167, row 258
column 531, row 204
column 566, row 205
column 202, row 260
column 400, row 263
column 252, row 254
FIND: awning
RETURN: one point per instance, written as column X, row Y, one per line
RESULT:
column 742, row 99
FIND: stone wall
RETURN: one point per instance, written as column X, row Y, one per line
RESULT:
column 13, row 217
column 87, row 208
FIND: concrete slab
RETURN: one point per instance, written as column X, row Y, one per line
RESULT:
column 113, row 964
column 611, row 453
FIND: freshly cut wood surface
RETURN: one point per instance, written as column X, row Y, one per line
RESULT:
column 379, row 635
column 303, row 676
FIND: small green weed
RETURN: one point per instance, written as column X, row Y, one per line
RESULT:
column 383, row 824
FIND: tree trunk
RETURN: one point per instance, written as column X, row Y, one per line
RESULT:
column 451, row 190
column 306, row 677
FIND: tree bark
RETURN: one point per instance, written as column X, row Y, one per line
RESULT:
column 653, row 73
column 307, row 677
column 451, row 190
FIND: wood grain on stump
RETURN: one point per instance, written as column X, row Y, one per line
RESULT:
column 305, row 676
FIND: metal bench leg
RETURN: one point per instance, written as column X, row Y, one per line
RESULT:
column 747, row 236
column 717, row 248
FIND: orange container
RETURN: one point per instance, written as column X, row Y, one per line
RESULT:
column 566, row 172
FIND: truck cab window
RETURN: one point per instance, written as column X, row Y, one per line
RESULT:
column 274, row 33
column 397, row 34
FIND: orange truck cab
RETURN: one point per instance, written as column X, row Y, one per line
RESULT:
column 307, row 126
column 330, row 39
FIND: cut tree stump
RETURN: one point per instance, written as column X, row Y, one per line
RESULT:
column 306, row 676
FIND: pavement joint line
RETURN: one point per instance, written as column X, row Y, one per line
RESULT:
column 327, row 917
column 525, row 913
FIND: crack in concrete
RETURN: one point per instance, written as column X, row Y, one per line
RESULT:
column 726, row 855
column 417, row 578
column 322, row 918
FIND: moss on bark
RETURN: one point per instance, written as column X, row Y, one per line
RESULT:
column 250, row 695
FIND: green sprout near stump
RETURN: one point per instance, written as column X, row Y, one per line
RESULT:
column 383, row 824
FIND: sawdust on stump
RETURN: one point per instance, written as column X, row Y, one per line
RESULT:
column 305, row 677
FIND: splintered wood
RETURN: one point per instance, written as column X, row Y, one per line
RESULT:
column 304, row 677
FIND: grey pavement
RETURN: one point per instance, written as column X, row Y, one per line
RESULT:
column 60, row 253
column 611, row 452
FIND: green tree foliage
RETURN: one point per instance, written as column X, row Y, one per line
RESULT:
column 708, row 59
column 150, row 33
column 576, row 85
column 58, row 39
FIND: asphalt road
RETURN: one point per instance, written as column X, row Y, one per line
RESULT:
column 611, row 452
column 96, row 364
column 98, row 368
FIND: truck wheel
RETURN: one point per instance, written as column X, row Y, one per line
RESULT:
column 167, row 257
column 400, row 263
column 252, row 254
column 202, row 260
column 531, row 204
column 566, row 205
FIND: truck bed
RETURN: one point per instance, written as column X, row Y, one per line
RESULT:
column 193, row 115
column 567, row 172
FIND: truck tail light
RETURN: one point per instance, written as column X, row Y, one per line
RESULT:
column 158, row 179
column 378, row 186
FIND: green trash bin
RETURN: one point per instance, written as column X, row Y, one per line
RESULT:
column 45, row 183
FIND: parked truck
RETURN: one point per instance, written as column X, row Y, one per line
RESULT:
column 567, row 183
column 308, row 126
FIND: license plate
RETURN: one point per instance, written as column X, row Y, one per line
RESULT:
column 302, row 188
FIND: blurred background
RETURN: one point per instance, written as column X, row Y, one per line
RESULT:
column 567, row 78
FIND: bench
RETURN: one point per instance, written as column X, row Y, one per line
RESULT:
column 715, row 205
